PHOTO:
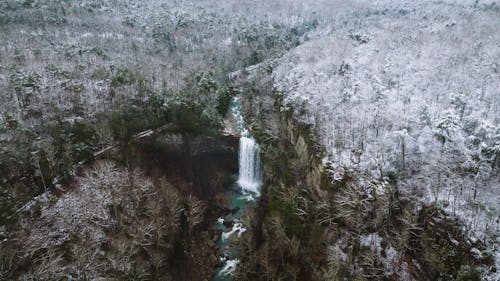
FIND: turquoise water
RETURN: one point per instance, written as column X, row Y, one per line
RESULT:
column 239, row 203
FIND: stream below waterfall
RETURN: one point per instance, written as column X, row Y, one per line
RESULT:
column 243, row 197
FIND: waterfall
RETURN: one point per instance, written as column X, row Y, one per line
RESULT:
column 243, row 195
column 249, row 177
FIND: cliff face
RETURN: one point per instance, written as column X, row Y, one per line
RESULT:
column 318, row 222
column 407, row 96
column 209, row 163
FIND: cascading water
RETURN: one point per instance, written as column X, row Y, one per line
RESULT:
column 249, row 178
column 250, row 171
column 243, row 196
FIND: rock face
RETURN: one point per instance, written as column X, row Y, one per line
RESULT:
column 230, row 126
column 208, row 163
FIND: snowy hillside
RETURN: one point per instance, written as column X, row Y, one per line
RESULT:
column 409, row 92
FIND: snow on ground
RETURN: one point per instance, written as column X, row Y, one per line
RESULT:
column 412, row 93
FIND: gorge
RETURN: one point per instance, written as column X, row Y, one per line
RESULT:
column 245, row 194
column 249, row 140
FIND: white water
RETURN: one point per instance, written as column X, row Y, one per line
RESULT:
column 237, row 228
column 249, row 178
column 229, row 267
column 250, row 171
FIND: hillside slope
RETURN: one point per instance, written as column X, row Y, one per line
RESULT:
column 408, row 93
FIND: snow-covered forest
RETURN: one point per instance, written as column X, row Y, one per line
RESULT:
column 66, row 66
column 410, row 95
column 377, row 122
